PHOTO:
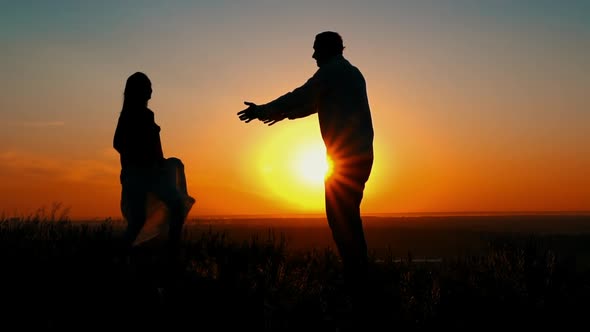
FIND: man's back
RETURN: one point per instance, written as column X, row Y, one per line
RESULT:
column 343, row 111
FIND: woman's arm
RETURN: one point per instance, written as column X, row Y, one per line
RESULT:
column 120, row 140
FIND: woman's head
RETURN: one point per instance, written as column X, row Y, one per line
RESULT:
column 138, row 90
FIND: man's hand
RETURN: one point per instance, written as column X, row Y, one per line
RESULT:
column 250, row 113
column 271, row 118
column 261, row 113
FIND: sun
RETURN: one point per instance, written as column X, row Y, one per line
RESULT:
column 312, row 165
column 292, row 166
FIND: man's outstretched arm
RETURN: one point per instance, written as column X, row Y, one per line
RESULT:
column 298, row 103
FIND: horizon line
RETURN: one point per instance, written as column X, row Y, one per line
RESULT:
column 368, row 214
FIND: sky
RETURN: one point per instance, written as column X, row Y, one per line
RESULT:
column 476, row 106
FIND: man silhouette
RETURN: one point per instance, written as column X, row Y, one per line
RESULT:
column 337, row 93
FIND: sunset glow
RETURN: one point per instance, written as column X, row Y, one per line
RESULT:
column 476, row 106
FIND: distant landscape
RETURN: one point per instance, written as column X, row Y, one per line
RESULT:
column 283, row 274
column 423, row 236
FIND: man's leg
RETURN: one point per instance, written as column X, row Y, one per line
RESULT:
column 344, row 193
column 343, row 213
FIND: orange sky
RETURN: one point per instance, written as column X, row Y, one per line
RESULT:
column 474, row 108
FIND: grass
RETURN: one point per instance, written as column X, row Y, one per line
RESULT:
column 57, row 274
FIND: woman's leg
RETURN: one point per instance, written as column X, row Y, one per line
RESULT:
column 134, row 188
column 134, row 202
column 169, row 195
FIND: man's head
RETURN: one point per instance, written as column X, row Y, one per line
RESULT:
column 327, row 45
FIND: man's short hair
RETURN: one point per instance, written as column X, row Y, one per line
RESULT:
column 330, row 41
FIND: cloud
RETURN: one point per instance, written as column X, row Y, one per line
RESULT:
column 21, row 165
column 44, row 124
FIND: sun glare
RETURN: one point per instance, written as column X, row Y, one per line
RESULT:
column 311, row 165
column 293, row 166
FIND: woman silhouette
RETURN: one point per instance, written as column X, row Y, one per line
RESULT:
column 145, row 173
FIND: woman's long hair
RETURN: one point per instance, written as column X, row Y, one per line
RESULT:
column 138, row 90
